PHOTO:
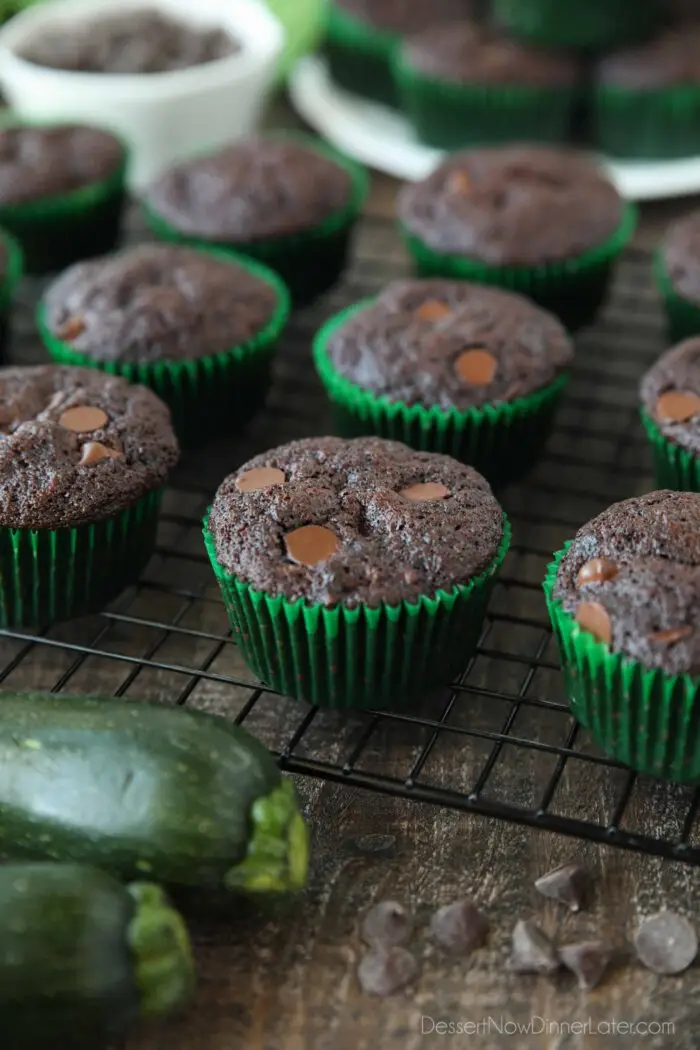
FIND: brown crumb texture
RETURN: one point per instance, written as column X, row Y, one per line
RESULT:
column 37, row 162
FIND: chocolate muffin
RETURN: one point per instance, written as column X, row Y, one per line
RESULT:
column 176, row 318
column 83, row 458
column 288, row 201
column 670, row 395
column 677, row 269
column 61, row 192
column 379, row 544
column 463, row 84
column 543, row 221
column 647, row 98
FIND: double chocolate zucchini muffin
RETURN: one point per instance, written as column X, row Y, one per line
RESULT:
column 537, row 220
column 593, row 26
column 355, row 573
column 670, row 395
column 677, row 270
column 83, row 459
column 463, row 84
column 198, row 327
column 624, row 598
column 288, row 201
column 447, row 366
column 61, row 192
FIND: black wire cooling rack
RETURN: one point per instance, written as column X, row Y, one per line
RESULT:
column 500, row 741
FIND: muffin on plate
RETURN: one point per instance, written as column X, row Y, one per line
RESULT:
column 450, row 367
column 286, row 200
column 83, row 460
column 198, row 327
column 677, row 270
column 670, row 396
column 61, row 192
column 624, row 598
column 646, row 99
column 542, row 221
column 355, row 573
column 593, row 26
column 463, row 84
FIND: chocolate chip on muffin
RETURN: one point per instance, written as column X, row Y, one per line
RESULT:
column 671, row 394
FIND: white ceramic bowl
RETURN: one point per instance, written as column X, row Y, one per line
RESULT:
column 162, row 116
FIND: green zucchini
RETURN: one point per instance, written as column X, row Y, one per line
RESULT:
column 146, row 791
column 82, row 957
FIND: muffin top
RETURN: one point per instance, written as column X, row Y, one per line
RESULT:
column 407, row 16
column 513, row 205
column 157, row 302
column 632, row 578
column 671, row 394
column 466, row 53
column 77, row 446
column 348, row 522
column 680, row 252
column 42, row 161
column 450, row 344
column 255, row 189
column 665, row 61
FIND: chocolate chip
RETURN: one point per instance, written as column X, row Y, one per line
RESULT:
column 568, row 884
column 94, row 451
column 677, row 406
column 459, row 927
column 533, row 951
column 260, row 478
column 432, row 310
column 671, row 636
column 72, row 328
column 666, row 943
column 311, row 544
column 83, row 419
column 477, row 367
column 384, row 971
column 588, row 961
column 459, row 182
column 429, row 490
column 597, row 570
column 593, row 618
column 387, row 923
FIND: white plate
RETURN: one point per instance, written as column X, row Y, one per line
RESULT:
column 383, row 139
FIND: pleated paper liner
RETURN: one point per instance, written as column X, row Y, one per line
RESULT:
column 646, row 719
column 309, row 262
column 58, row 230
column 49, row 575
column 593, row 25
column 573, row 289
column 647, row 125
column 385, row 657
column 682, row 315
column 359, row 56
column 8, row 285
column 502, row 441
column 674, row 468
column 208, row 396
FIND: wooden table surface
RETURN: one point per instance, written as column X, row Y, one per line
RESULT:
column 287, row 980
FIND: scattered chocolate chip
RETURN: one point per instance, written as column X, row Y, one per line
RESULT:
column 83, row 419
column 477, row 367
column 459, row 182
column 597, row 570
column 588, row 961
column 671, row 636
column 568, row 884
column 94, row 451
column 459, row 927
column 666, row 943
column 384, row 971
column 260, row 478
column 72, row 328
column 387, row 923
column 429, row 490
column 533, row 952
column 432, row 310
column 593, row 617
column 675, row 406
column 311, row 544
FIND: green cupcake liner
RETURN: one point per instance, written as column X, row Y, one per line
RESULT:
column 453, row 116
column 8, row 286
column 48, row 575
column 59, row 230
column 595, row 25
column 310, row 262
column 207, row 396
column 359, row 56
column 674, row 467
column 682, row 315
column 384, row 657
column 502, row 441
column 646, row 719
column 574, row 289
column 647, row 125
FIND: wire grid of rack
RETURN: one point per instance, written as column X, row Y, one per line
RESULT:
column 499, row 741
